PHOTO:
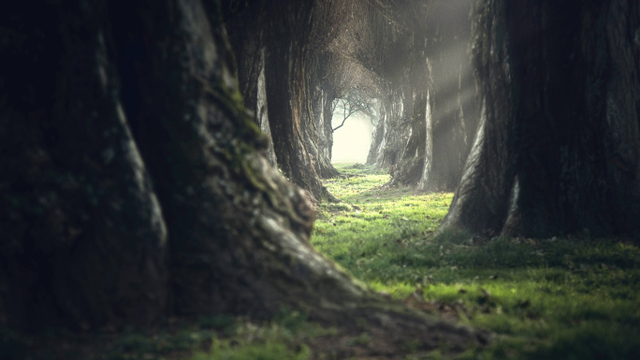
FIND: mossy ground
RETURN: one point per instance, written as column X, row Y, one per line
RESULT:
column 576, row 298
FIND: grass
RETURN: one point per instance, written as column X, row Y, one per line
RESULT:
column 217, row 337
column 544, row 298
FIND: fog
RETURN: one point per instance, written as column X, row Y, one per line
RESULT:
column 352, row 141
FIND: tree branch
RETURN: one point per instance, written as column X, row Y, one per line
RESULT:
column 343, row 121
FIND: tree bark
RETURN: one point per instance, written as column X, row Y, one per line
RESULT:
column 317, row 110
column 453, row 114
column 376, row 137
column 85, row 232
column 288, row 120
column 262, row 112
column 394, row 126
column 84, row 238
column 409, row 169
column 558, row 147
column 320, row 137
column 454, row 111
column 259, row 36
column 326, row 128
column 245, row 25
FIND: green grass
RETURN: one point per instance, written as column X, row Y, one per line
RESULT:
column 545, row 299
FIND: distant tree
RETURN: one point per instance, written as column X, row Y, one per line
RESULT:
column 353, row 103
column 558, row 149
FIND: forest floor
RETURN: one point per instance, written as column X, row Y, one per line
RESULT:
column 558, row 298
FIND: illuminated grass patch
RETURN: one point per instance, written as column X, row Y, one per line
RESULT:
column 549, row 298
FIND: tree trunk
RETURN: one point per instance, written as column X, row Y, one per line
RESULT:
column 409, row 170
column 288, row 67
column 245, row 27
column 318, row 140
column 323, row 115
column 377, row 137
column 453, row 115
column 393, row 128
column 261, row 44
column 262, row 112
column 558, row 150
column 84, row 231
column 454, row 120
column 287, row 123
column 84, row 239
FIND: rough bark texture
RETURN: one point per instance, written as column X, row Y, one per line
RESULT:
column 84, row 241
column 325, row 127
column 394, row 126
column 280, row 77
column 558, row 147
column 245, row 24
column 83, row 235
column 290, row 115
column 409, row 169
column 317, row 110
column 377, row 137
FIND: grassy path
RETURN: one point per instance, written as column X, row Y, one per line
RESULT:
column 546, row 299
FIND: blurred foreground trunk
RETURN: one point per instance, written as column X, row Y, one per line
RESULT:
column 440, row 141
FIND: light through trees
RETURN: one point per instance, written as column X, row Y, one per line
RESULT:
column 354, row 118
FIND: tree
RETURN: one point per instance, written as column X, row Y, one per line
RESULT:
column 392, row 130
column 245, row 22
column 558, row 149
column 134, row 185
column 278, row 46
column 435, row 154
column 355, row 102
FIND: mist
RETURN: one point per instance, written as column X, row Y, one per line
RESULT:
column 352, row 141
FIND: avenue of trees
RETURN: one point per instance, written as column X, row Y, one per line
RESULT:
column 163, row 158
column 401, row 53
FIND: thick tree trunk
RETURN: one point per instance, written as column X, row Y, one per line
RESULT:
column 84, row 240
column 377, row 137
column 288, row 126
column 319, row 141
column 454, row 120
column 288, row 67
column 558, row 150
column 394, row 126
column 244, row 22
column 262, row 112
column 271, row 52
column 323, row 115
column 84, row 233
column 453, row 116
column 409, row 170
